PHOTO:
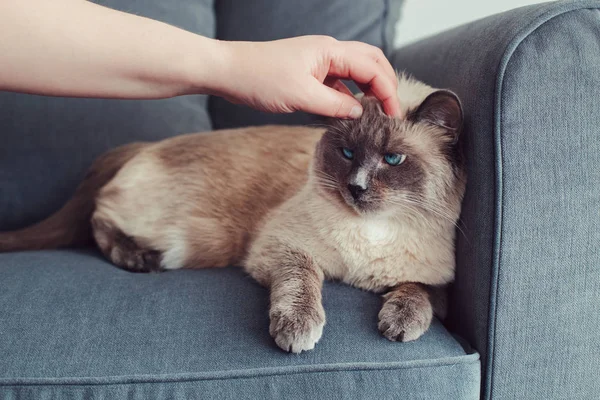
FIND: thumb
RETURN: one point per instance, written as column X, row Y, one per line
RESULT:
column 332, row 103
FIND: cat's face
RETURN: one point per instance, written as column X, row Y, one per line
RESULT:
column 378, row 164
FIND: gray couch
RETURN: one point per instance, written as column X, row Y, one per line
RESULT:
column 527, row 292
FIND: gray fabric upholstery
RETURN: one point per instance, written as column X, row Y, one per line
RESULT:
column 49, row 142
column 370, row 21
column 528, row 275
column 74, row 326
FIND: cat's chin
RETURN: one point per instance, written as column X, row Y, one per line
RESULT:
column 362, row 208
column 344, row 201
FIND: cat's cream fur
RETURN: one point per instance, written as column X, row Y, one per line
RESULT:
column 373, row 253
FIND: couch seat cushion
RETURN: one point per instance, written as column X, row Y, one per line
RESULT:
column 74, row 326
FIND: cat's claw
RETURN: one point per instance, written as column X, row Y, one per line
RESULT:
column 296, row 331
column 404, row 321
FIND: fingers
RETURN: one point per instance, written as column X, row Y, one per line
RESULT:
column 338, row 85
column 377, row 84
column 372, row 72
column 377, row 55
column 336, row 101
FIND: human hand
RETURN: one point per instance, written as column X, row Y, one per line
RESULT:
column 303, row 74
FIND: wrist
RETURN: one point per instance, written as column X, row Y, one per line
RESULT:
column 207, row 66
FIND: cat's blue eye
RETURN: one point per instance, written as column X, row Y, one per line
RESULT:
column 349, row 154
column 394, row 159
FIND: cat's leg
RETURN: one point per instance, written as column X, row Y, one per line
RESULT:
column 408, row 309
column 296, row 311
column 123, row 250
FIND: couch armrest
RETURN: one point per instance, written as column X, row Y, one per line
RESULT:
column 527, row 288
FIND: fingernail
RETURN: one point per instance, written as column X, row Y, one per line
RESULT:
column 356, row 112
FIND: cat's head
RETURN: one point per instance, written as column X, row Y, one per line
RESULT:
column 379, row 164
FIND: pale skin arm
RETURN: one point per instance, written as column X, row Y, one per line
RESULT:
column 80, row 49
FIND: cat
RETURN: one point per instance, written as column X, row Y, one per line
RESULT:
column 372, row 202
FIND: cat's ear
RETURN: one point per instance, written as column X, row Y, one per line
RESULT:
column 441, row 108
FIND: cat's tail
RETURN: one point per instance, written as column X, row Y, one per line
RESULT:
column 70, row 226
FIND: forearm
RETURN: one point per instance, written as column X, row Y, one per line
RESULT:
column 77, row 48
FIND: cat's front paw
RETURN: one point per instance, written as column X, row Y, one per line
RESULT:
column 405, row 319
column 297, row 329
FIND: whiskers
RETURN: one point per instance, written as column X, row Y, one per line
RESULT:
column 415, row 207
column 325, row 180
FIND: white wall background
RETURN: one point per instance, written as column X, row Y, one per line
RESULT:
column 422, row 18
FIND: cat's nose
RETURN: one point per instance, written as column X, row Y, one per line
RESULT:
column 356, row 190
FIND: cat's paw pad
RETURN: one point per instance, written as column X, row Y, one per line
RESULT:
column 404, row 320
column 296, row 330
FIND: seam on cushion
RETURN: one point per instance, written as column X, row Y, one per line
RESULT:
column 513, row 45
column 239, row 374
